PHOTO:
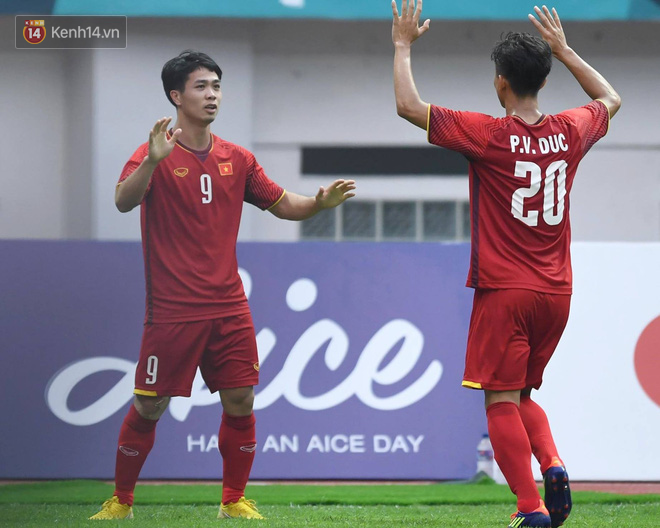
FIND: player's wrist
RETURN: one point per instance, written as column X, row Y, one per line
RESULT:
column 150, row 162
column 563, row 53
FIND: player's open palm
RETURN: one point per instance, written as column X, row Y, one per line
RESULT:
column 337, row 193
column 405, row 28
column 160, row 145
column 549, row 27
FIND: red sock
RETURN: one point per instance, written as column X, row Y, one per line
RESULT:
column 136, row 438
column 538, row 431
column 513, row 453
column 237, row 443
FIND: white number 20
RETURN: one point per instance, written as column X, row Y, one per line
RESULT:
column 556, row 171
column 152, row 370
column 207, row 188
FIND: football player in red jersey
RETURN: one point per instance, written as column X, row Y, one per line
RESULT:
column 521, row 170
column 191, row 185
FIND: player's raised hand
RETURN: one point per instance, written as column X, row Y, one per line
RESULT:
column 549, row 27
column 406, row 28
column 159, row 145
column 337, row 193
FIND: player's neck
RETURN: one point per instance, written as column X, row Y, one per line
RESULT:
column 526, row 108
column 194, row 136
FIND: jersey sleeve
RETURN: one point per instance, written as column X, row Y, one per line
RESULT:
column 464, row 132
column 134, row 162
column 260, row 190
column 592, row 122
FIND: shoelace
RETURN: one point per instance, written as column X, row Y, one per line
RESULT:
column 251, row 503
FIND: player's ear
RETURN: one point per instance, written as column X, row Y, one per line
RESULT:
column 543, row 83
column 176, row 97
column 501, row 84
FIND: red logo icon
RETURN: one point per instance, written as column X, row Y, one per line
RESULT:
column 34, row 31
column 647, row 360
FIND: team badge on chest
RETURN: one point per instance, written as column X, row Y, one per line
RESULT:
column 180, row 172
column 225, row 169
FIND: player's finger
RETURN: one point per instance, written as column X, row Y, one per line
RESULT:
column 418, row 11
column 156, row 127
column 395, row 11
column 542, row 17
column 536, row 23
column 162, row 123
column 166, row 123
column 425, row 27
column 345, row 187
column 175, row 135
column 547, row 14
column 406, row 12
column 556, row 17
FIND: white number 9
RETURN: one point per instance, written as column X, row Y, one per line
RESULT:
column 207, row 188
column 152, row 370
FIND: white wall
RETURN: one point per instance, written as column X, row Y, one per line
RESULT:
column 598, row 407
column 32, row 168
column 293, row 83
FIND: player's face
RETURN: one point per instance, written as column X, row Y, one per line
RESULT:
column 200, row 99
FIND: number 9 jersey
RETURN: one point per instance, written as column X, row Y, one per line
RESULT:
column 190, row 216
column 521, row 177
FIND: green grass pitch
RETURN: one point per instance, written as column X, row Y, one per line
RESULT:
column 483, row 505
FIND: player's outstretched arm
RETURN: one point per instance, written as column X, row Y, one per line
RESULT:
column 130, row 192
column 592, row 82
column 297, row 207
column 405, row 31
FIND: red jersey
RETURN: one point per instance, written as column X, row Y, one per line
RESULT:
column 190, row 216
column 521, row 176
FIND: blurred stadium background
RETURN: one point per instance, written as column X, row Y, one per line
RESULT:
column 307, row 87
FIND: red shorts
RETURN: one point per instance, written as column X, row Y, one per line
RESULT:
column 224, row 349
column 513, row 334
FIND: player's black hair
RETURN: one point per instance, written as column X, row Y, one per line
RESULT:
column 176, row 71
column 524, row 60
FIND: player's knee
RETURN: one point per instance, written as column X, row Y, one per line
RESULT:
column 151, row 407
column 238, row 401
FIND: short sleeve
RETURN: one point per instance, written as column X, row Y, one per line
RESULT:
column 464, row 132
column 260, row 190
column 592, row 122
column 134, row 162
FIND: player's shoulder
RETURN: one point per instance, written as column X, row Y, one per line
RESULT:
column 580, row 112
column 228, row 149
column 469, row 115
column 141, row 151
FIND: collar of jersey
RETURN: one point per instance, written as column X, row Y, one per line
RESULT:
column 192, row 151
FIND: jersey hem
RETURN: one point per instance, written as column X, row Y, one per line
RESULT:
column 164, row 392
column 198, row 317
column 252, row 381
column 566, row 290
column 145, row 392
column 278, row 200
column 609, row 117
column 500, row 387
column 428, row 123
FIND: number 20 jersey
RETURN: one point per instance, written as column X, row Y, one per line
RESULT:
column 190, row 216
column 520, row 176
